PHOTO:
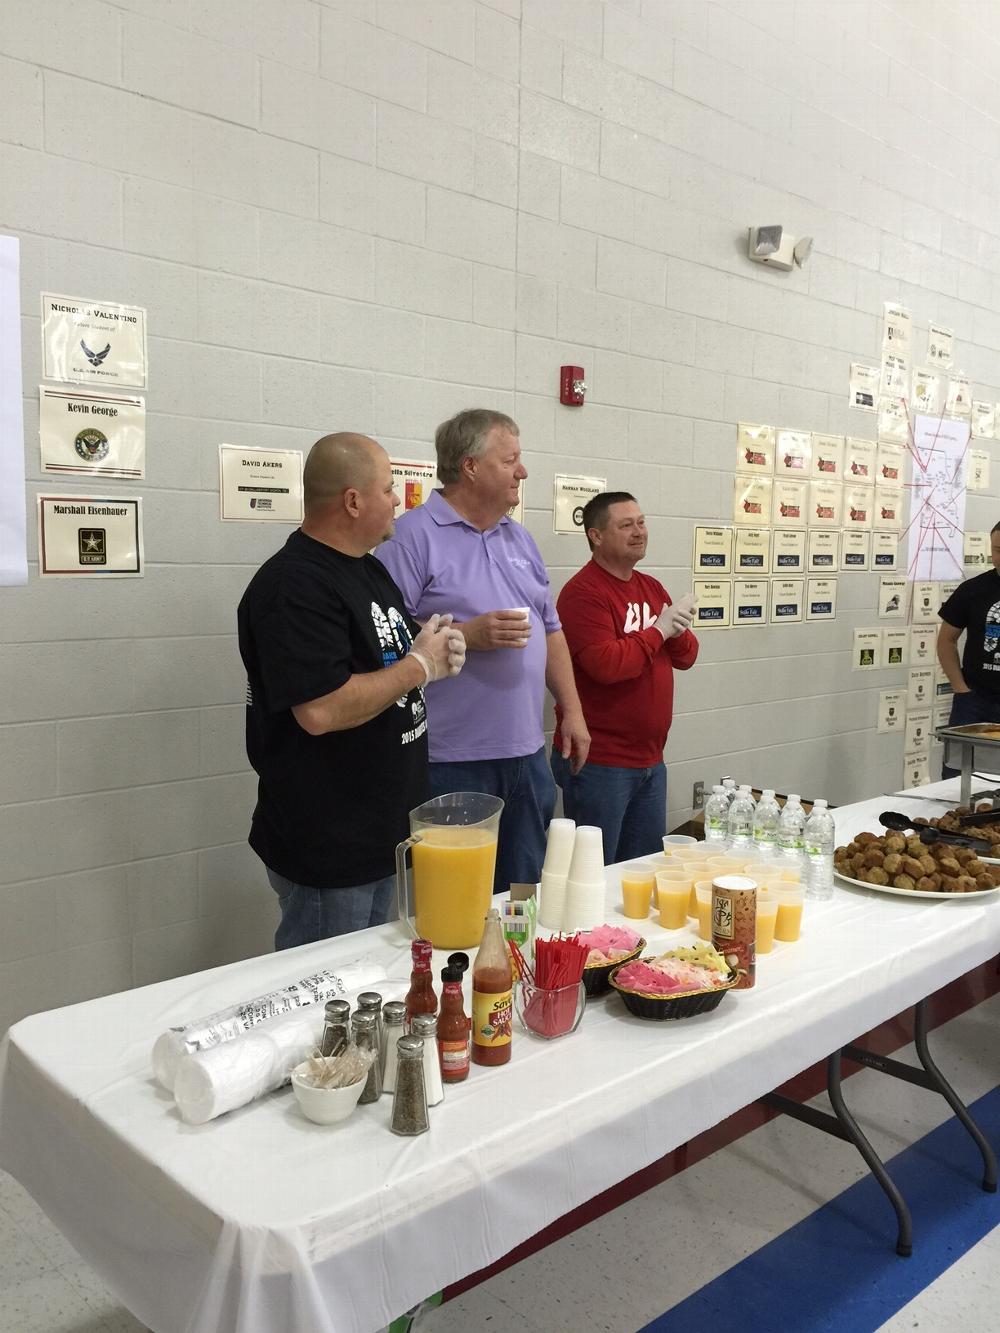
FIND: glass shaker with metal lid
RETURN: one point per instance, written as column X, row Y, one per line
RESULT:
column 336, row 1027
column 364, row 1030
column 393, row 1020
column 409, row 1103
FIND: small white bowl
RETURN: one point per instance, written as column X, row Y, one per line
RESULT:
column 325, row 1106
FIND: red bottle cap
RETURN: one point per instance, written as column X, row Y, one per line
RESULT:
column 422, row 951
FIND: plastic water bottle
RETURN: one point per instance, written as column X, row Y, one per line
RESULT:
column 765, row 823
column 741, row 814
column 790, row 827
column 819, row 836
column 729, row 787
column 717, row 817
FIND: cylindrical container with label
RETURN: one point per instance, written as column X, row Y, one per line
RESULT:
column 734, row 925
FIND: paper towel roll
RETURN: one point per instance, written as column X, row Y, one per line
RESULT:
column 226, row 1024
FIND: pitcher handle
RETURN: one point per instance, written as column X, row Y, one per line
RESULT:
column 402, row 884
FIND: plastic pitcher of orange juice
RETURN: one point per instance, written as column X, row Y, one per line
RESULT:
column 453, row 846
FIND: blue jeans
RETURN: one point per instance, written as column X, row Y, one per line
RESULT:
column 309, row 914
column 629, row 805
column 975, row 706
column 529, row 795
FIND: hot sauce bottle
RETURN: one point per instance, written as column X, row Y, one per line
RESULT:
column 420, row 998
column 453, row 1027
column 492, row 987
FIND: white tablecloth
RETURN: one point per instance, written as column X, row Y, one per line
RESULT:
column 264, row 1223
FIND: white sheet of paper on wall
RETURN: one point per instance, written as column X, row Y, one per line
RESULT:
column 941, row 713
column 855, row 548
column 825, row 504
column 959, row 400
column 858, row 508
column 821, row 599
column 752, row 551
column 827, row 457
column 983, row 419
column 792, row 454
column 790, row 503
column 867, row 650
column 924, row 603
column 754, row 448
column 788, row 551
column 859, row 462
column 976, row 552
column 916, row 771
column 897, row 328
column 891, row 710
column 864, row 386
column 917, row 731
column 892, row 597
column 926, row 391
column 890, row 464
column 894, row 645
column 752, row 501
column 919, row 687
column 786, row 601
column 888, row 514
column 940, row 346
column 750, row 601
column 893, row 420
column 713, row 551
column 823, row 551
column 923, row 646
column 979, row 470
column 714, row 603
column 895, row 381
column 885, row 551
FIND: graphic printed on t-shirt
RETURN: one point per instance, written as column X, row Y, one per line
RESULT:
column 991, row 638
column 638, row 618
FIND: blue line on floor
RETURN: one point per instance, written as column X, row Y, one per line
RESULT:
column 837, row 1269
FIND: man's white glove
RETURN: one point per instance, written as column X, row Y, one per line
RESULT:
column 674, row 619
column 439, row 649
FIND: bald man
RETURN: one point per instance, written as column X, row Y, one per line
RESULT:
column 336, row 720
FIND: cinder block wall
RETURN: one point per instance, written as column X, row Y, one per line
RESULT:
column 371, row 213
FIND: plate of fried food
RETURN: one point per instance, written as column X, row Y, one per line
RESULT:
column 953, row 821
column 897, row 864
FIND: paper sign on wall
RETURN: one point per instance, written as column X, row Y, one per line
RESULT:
column 926, row 391
column 982, row 419
column 754, row 448
column 940, row 344
column 858, row 508
column 792, row 454
column 413, row 481
column 894, row 645
column 937, row 497
column 93, row 342
column 891, row 710
column 897, row 325
column 750, row 601
column 925, row 603
column 864, row 386
column 752, row 550
column 976, row 552
column 569, row 496
column 821, row 599
column 923, row 646
column 788, row 551
column 892, row 598
column 823, row 550
column 867, row 649
column 979, row 470
column 959, row 400
column 890, row 464
column 790, row 502
column 786, row 600
column 893, row 420
column 888, row 508
column 895, row 382
column 88, row 432
column 260, row 485
column 714, row 604
column 713, row 550
column 825, row 499
column 916, row 771
column 919, row 687
column 751, row 501
column 917, row 731
column 854, row 548
column 827, row 456
column 859, row 462
column 89, row 536
column 885, row 550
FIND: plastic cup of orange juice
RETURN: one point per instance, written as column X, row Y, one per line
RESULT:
column 789, row 898
column 673, row 892
column 767, row 919
column 791, row 875
column 724, row 865
column 703, row 896
column 638, row 883
column 671, row 841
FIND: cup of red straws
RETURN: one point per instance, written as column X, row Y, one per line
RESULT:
column 549, row 1000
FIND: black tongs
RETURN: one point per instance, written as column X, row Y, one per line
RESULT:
column 980, row 817
column 928, row 834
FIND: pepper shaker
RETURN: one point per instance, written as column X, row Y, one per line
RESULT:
column 336, row 1027
column 365, row 1033
column 369, row 1001
column 409, row 1103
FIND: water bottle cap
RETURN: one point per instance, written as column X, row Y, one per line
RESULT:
column 819, row 803
column 717, row 788
column 745, row 786
column 768, row 794
column 793, row 796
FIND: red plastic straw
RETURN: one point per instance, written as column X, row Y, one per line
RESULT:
column 551, row 1006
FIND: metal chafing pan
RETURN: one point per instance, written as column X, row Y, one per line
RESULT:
column 975, row 736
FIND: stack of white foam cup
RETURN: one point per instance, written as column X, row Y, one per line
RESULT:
column 583, row 906
column 558, row 853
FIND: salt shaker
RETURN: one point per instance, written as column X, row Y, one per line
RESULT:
column 336, row 1027
column 425, row 1026
column 393, row 1019
column 409, row 1102
column 365, row 1033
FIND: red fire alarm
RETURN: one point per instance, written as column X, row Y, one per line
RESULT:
column 572, row 386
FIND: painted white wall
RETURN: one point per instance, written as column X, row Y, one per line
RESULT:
column 369, row 214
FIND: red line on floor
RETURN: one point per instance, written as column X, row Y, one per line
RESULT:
column 957, row 998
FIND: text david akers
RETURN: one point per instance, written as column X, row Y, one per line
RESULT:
column 104, row 510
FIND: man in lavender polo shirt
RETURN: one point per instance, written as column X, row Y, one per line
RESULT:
column 460, row 551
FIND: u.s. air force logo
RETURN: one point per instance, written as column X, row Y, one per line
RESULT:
column 91, row 444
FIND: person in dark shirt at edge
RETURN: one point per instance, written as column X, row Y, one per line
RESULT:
column 973, row 608
column 336, row 719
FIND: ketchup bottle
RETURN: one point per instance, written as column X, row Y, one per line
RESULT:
column 420, row 998
column 453, row 1028
column 492, row 987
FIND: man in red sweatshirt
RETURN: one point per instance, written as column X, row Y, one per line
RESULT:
column 625, row 638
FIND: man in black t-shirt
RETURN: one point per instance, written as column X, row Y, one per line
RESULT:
column 974, row 607
column 335, row 721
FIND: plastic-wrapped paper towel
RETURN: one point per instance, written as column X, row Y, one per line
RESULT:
column 209, row 1083
column 203, row 1034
